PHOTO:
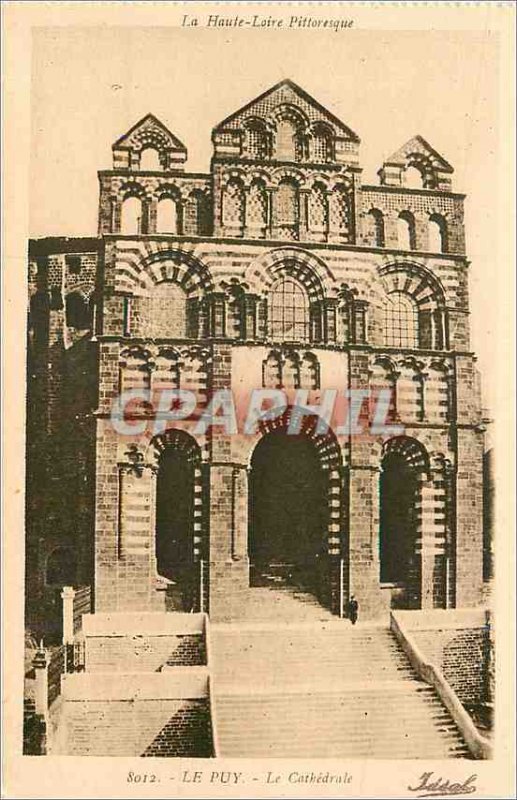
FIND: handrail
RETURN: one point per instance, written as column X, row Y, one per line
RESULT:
column 211, row 693
column 341, row 588
column 201, row 585
column 479, row 746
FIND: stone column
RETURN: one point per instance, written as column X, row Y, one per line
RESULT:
column 329, row 312
column 67, row 595
column 303, row 220
column 250, row 315
column 217, row 308
column 360, row 326
column 330, row 583
column 40, row 664
column 270, row 213
column 116, row 215
column 426, row 538
column 152, row 214
column 239, row 512
column 229, row 567
column 364, row 569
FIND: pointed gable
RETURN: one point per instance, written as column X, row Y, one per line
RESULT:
column 417, row 153
column 286, row 102
column 287, row 93
column 417, row 149
column 149, row 132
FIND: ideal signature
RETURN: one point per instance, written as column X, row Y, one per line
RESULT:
column 432, row 787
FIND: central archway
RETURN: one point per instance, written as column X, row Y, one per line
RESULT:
column 289, row 510
column 295, row 525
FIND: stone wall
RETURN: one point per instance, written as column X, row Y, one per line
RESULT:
column 62, row 394
column 163, row 715
column 457, row 642
column 140, row 653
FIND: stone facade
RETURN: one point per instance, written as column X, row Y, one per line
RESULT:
column 278, row 269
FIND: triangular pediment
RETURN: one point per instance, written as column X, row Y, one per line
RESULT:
column 419, row 147
column 286, row 93
column 150, row 129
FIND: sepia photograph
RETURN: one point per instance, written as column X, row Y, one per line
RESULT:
column 260, row 470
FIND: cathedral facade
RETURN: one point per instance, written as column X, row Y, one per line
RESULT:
column 280, row 270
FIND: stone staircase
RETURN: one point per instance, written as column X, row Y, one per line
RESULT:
column 324, row 689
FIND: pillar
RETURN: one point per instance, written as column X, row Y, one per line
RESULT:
column 67, row 595
column 229, row 564
column 217, row 308
column 137, row 573
column 40, row 664
column 360, row 329
column 363, row 498
column 426, row 542
column 364, row 569
column 469, row 519
column 303, row 220
column 329, row 312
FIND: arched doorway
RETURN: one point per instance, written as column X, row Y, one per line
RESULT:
column 294, row 533
column 177, row 546
column 404, row 464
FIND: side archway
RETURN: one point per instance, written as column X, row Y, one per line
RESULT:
column 178, row 515
column 404, row 467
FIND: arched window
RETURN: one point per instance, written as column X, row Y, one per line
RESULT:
column 413, row 178
column 286, row 206
column 288, row 312
column 401, row 320
column 291, row 372
column 167, row 314
column 134, row 369
column 150, row 160
column 165, row 374
column 256, row 140
column 410, row 396
column 61, row 567
column 320, row 145
column 131, row 218
column 383, row 380
column 286, row 141
column 167, row 216
column 406, row 231
column 233, row 206
column 340, row 213
column 437, row 394
column 196, row 215
column 412, row 293
column 437, row 234
column 377, row 226
column 194, row 376
column 309, row 372
column 77, row 312
column 318, row 209
column 256, row 210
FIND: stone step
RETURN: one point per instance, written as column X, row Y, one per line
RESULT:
column 325, row 691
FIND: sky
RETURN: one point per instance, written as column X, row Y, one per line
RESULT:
column 90, row 85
